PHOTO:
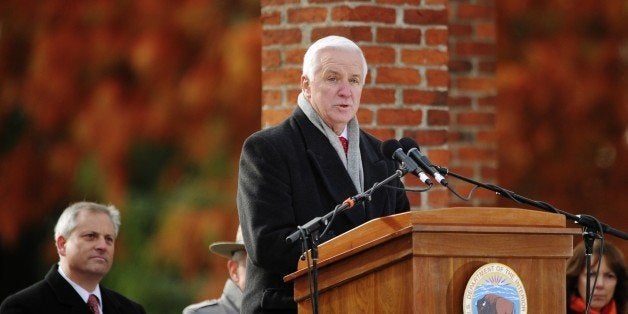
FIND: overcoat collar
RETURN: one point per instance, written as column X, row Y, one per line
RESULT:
column 327, row 164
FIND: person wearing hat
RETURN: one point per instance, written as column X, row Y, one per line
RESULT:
column 231, row 298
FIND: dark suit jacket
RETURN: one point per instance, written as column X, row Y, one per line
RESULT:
column 290, row 174
column 54, row 294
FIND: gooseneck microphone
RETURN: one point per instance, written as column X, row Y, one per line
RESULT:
column 392, row 149
column 412, row 149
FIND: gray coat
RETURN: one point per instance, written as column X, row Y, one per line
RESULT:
column 288, row 175
column 229, row 302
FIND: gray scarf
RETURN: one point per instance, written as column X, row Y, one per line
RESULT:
column 353, row 159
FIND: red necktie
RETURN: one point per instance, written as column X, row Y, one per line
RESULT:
column 345, row 143
column 92, row 302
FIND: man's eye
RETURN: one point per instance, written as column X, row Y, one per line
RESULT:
column 332, row 78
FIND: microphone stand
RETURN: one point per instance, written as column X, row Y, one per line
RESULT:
column 583, row 220
column 591, row 227
column 309, row 234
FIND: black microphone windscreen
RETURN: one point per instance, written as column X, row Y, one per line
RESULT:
column 408, row 144
column 389, row 147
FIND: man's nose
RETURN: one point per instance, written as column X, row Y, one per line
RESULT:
column 101, row 243
column 345, row 89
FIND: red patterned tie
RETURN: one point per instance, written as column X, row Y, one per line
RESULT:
column 92, row 302
column 345, row 143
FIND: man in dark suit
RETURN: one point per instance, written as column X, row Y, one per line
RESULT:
column 301, row 169
column 85, row 235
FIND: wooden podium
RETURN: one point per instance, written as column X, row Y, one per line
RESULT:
column 421, row 261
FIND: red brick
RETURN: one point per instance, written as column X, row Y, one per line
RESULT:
column 271, row 97
column 410, row 2
column 267, row 3
column 436, row 36
column 365, row 116
column 425, row 17
column 476, row 119
column 270, row 58
column 438, row 197
column 274, row 116
column 433, row 98
column 460, row 66
column 431, row 137
column 294, row 56
column 399, row 117
column 334, row 1
column 379, row 55
column 458, row 30
column 437, row 156
column 471, row 48
column 271, row 18
column 292, row 94
column 398, row 76
column 488, row 137
column 488, row 101
column 355, row 33
column 486, row 31
column 281, row 37
column 476, row 153
column 281, row 77
column 478, row 84
column 398, row 36
column 489, row 66
column 460, row 102
column 380, row 133
column 456, row 136
column 307, row 15
column 378, row 96
column 474, row 12
column 437, row 78
column 424, row 57
column 437, row 117
column 414, row 198
column 364, row 14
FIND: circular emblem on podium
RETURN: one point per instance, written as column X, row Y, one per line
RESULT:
column 494, row 288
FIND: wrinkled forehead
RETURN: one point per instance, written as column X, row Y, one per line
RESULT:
column 340, row 59
column 94, row 221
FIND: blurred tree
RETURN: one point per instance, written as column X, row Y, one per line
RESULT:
column 563, row 115
column 142, row 104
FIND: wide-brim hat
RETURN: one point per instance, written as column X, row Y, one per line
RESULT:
column 227, row 248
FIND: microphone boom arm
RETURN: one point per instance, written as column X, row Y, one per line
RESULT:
column 583, row 220
column 316, row 223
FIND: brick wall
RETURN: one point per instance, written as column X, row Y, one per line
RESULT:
column 472, row 95
column 406, row 43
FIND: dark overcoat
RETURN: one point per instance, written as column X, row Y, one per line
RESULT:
column 290, row 174
column 55, row 295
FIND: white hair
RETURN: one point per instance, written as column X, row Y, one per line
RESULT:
column 67, row 221
column 311, row 62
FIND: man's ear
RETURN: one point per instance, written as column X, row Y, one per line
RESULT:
column 305, row 85
column 232, row 266
column 60, row 243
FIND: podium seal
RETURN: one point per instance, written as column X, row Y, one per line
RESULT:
column 494, row 288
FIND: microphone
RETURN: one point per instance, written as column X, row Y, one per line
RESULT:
column 413, row 150
column 392, row 149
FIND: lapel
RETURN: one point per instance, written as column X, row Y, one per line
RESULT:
column 328, row 166
column 109, row 303
column 64, row 291
column 375, row 170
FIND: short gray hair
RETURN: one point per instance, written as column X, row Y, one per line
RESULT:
column 311, row 62
column 67, row 221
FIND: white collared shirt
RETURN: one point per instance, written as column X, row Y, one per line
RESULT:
column 82, row 292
